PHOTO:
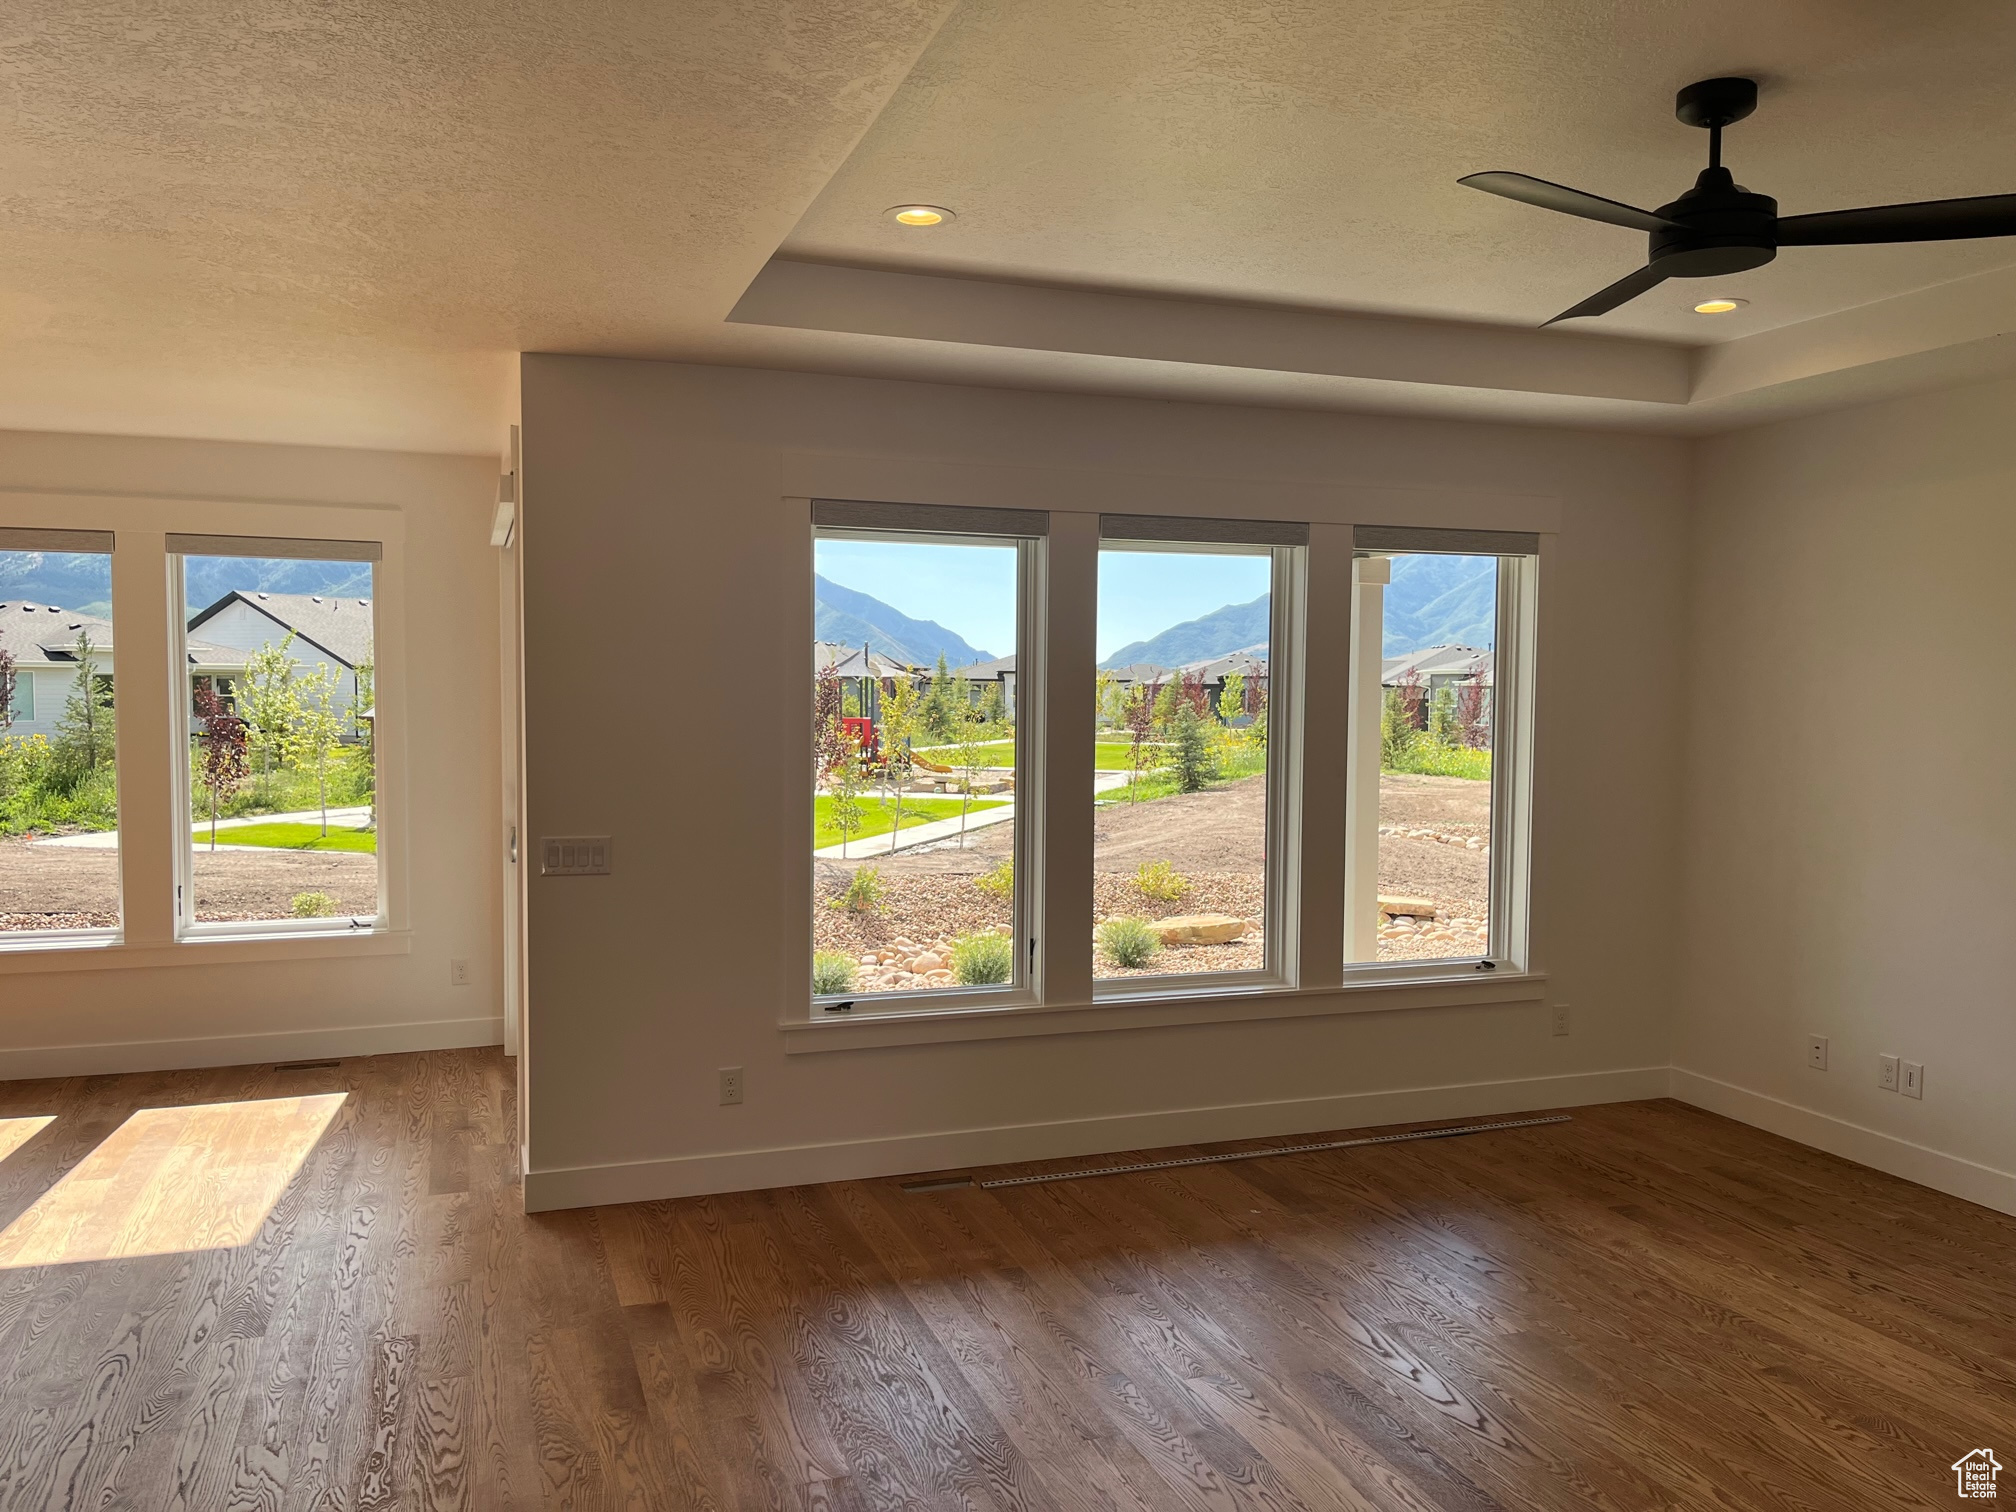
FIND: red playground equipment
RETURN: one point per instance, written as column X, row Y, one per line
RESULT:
column 862, row 733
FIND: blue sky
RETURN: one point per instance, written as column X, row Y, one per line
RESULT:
column 971, row 589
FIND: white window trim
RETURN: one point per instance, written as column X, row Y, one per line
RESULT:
column 189, row 929
column 1316, row 826
column 1280, row 893
column 145, row 656
column 1024, row 990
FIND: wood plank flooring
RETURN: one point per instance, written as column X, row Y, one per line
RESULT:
column 1648, row 1307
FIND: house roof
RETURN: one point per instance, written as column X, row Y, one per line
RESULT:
column 339, row 626
column 46, row 635
column 856, row 661
column 1438, row 661
column 1212, row 668
column 1140, row 672
column 987, row 671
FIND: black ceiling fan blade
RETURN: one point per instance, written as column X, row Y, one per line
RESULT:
column 1532, row 191
column 1626, row 289
column 1928, row 220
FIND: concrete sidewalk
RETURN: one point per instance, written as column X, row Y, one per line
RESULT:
column 913, row 835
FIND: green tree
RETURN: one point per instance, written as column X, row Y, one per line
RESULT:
column 270, row 705
column 7, row 676
column 85, row 737
column 994, row 706
column 365, row 729
column 939, row 713
column 1232, row 699
column 845, row 780
column 1442, row 717
column 1106, row 699
column 1398, row 734
column 899, row 728
column 1191, row 755
column 970, row 756
column 318, row 729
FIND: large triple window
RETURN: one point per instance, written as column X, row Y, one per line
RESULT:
column 1245, row 756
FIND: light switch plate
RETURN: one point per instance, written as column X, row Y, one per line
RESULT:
column 574, row 856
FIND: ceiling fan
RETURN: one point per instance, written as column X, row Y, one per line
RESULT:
column 1719, row 227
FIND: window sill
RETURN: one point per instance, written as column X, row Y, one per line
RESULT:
column 113, row 954
column 924, row 1026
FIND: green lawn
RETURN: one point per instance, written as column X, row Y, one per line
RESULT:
column 878, row 816
column 1107, row 755
column 292, row 837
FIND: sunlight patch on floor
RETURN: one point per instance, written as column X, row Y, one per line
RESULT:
column 172, row 1179
column 15, row 1132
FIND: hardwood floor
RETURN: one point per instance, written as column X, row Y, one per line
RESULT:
column 1647, row 1307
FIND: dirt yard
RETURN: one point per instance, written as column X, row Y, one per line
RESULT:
column 60, row 887
column 1212, row 839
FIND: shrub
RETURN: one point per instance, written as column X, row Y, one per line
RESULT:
column 1161, row 881
column 313, row 905
column 1194, row 760
column 864, row 891
column 983, row 960
column 832, row 973
column 1129, row 942
column 1000, row 882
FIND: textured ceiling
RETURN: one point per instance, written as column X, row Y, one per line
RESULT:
column 1306, row 151
column 336, row 221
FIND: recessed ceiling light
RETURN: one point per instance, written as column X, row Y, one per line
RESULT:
column 1719, row 306
column 920, row 215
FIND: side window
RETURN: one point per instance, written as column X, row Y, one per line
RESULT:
column 1438, row 766
column 59, row 786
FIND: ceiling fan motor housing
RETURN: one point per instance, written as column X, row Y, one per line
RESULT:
column 1719, row 228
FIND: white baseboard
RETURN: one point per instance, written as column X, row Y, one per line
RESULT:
column 1851, row 1141
column 747, row 1170
column 107, row 1059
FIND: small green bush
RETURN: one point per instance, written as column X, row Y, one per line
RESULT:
column 313, row 905
column 1000, row 882
column 1161, row 881
column 1131, row 943
column 983, row 960
column 832, row 973
column 864, row 891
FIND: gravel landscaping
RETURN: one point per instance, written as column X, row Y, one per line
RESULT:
column 1434, row 844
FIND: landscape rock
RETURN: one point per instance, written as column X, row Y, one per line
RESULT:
column 1200, row 929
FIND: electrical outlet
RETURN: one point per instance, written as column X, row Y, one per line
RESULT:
column 1816, row 1051
column 1886, row 1076
column 1560, row 1018
column 458, row 973
column 731, row 1086
column 1914, row 1080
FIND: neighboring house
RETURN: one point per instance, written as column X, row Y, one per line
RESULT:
column 328, row 631
column 1213, row 671
column 42, row 639
column 1000, row 671
column 1438, row 667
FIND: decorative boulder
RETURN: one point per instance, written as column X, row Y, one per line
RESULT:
column 1200, row 929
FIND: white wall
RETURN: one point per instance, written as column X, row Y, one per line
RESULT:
column 1851, row 808
column 150, row 1015
column 653, row 514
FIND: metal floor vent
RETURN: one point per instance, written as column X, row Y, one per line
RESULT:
column 946, row 1183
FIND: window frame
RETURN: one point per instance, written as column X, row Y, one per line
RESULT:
column 183, row 729
column 1508, row 944
column 1280, row 895
column 146, row 657
column 1023, row 990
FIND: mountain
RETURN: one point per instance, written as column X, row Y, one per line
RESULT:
column 1433, row 601
column 1441, row 601
column 84, row 582
column 1236, row 627
column 854, row 618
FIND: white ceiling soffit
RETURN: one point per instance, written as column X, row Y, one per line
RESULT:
column 336, row 225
